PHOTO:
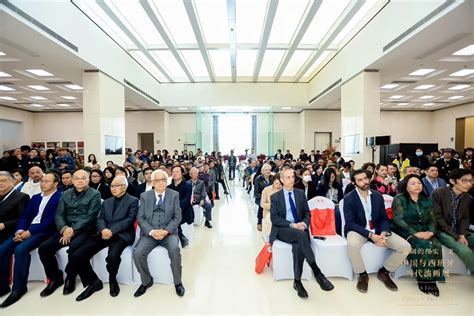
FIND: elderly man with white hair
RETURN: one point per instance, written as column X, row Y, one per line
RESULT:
column 115, row 229
column 261, row 182
column 159, row 216
column 199, row 195
column 32, row 186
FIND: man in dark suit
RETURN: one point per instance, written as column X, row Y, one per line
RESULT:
column 288, row 155
column 278, row 155
column 366, row 219
column 75, row 221
column 115, row 226
column 451, row 210
column 431, row 182
column 446, row 164
column 35, row 226
column 12, row 205
column 198, row 195
column 290, row 217
column 303, row 155
column 159, row 216
column 312, row 157
column 232, row 164
column 185, row 191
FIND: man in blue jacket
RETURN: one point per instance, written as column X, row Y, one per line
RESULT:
column 35, row 226
column 366, row 219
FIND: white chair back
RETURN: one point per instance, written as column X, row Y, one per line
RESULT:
column 320, row 202
column 387, row 199
column 343, row 220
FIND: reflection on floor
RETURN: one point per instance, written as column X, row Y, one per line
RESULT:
column 219, row 277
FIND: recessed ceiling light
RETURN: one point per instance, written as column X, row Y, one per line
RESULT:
column 63, row 104
column 459, row 87
column 36, row 105
column 286, row 107
column 73, row 86
column 4, row 74
column 428, row 104
column 40, row 72
column 421, row 72
column 456, row 97
column 403, row 103
column 426, row 97
column 397, row 96
column 389, row 86
column 2, row 54
column 68, row 97
column 466, row 51
column 182, row 108
column 37, row 87
column 462, row 73
column 38, row 98
column 6, row 88
column 7, row 98
column 424, row 87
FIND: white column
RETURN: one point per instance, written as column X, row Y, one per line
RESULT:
column 360, row 115
column 104, row 116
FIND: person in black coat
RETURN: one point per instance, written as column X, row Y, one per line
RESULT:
column 419, row 160
column 185, row 192
column 32, row 160
column 12, row 205
column 98, row 182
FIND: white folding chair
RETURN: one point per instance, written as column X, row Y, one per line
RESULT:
column 282, row 262
column 36, row 267
column 452, row 263
column 124, row 275
column 188, row 231
column 198, row 215
column 331, row 250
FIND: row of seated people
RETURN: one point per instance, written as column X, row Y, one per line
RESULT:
column 77, row 218
column 420, row 225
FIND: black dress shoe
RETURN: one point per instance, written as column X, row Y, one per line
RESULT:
column 69, row 286
column 324, row 283
column 91, row 289
column 51, row 287
column 298, row 286
column 184, row 242
column 179, row 289
column 208, row 224
column 142, row 289
column 12, row 299
column 4, row 292
column 114, row 288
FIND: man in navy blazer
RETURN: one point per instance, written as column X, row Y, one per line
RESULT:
column 431, row 182
column 290, row 217
column 366, row 219
column 115, row 229
column 35, row 226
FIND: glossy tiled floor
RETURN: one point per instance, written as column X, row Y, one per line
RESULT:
column 218, row 273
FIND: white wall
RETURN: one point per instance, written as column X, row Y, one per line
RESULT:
column 19, row 116
column 407, row 127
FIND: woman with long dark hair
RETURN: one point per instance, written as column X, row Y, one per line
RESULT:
column 91, row 160
column 330, row 187
column 413, row 219
column 109, row 174
column 97, row 182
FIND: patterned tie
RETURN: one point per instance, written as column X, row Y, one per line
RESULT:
column 160, row 201
column 293, row 208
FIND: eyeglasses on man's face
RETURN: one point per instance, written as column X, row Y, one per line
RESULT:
column 160, row 180
column 116, row 186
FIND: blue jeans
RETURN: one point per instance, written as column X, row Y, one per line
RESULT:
column 21, row 250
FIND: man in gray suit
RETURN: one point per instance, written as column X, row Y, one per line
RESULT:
column 199, row 195
column 159, row 215
column 290, row 217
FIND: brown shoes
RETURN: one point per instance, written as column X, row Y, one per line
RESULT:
column 384, row 276
column 259, row 227
column 363, row 283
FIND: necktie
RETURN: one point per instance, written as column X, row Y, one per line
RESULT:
column 293, row 208
column 160, row 200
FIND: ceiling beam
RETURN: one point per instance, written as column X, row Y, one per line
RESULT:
column 269, row 17
column 127, row 32
column 159, row 27
column 302, row 28
column 191, row 11
column 231, row 16
column 350, row 11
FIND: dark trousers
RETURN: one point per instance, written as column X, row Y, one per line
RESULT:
column 79, row 260
column 259, row 215
column 231, row 172
column 301, row 247
column 221, row 181
column 47, row 252
column 21, row 250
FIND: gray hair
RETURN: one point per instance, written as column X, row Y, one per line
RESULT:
column 6, row 174
column 193, row 169
column 266, row 166
column 123, row 180
column 158, row 172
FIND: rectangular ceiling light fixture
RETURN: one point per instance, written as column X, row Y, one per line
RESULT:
column 425, row 87
column 462, row 73
column 73, row 86
column 68, row 97
column 38, row 88
column 7, row 98
column 397, row 96
column 40, row 72
column 421, row 72
column 459, row 87
column 38, row 98
column 389, row 86
column 456, row 97
column 6, row 88
column 426, row 97
column 4, row 75
column 466, row 51
column 36, row 105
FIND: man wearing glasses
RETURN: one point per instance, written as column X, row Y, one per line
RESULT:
column 114, row 230
column 76, row 222
column 451, row 210
column 35, row 226
column 159, row 216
